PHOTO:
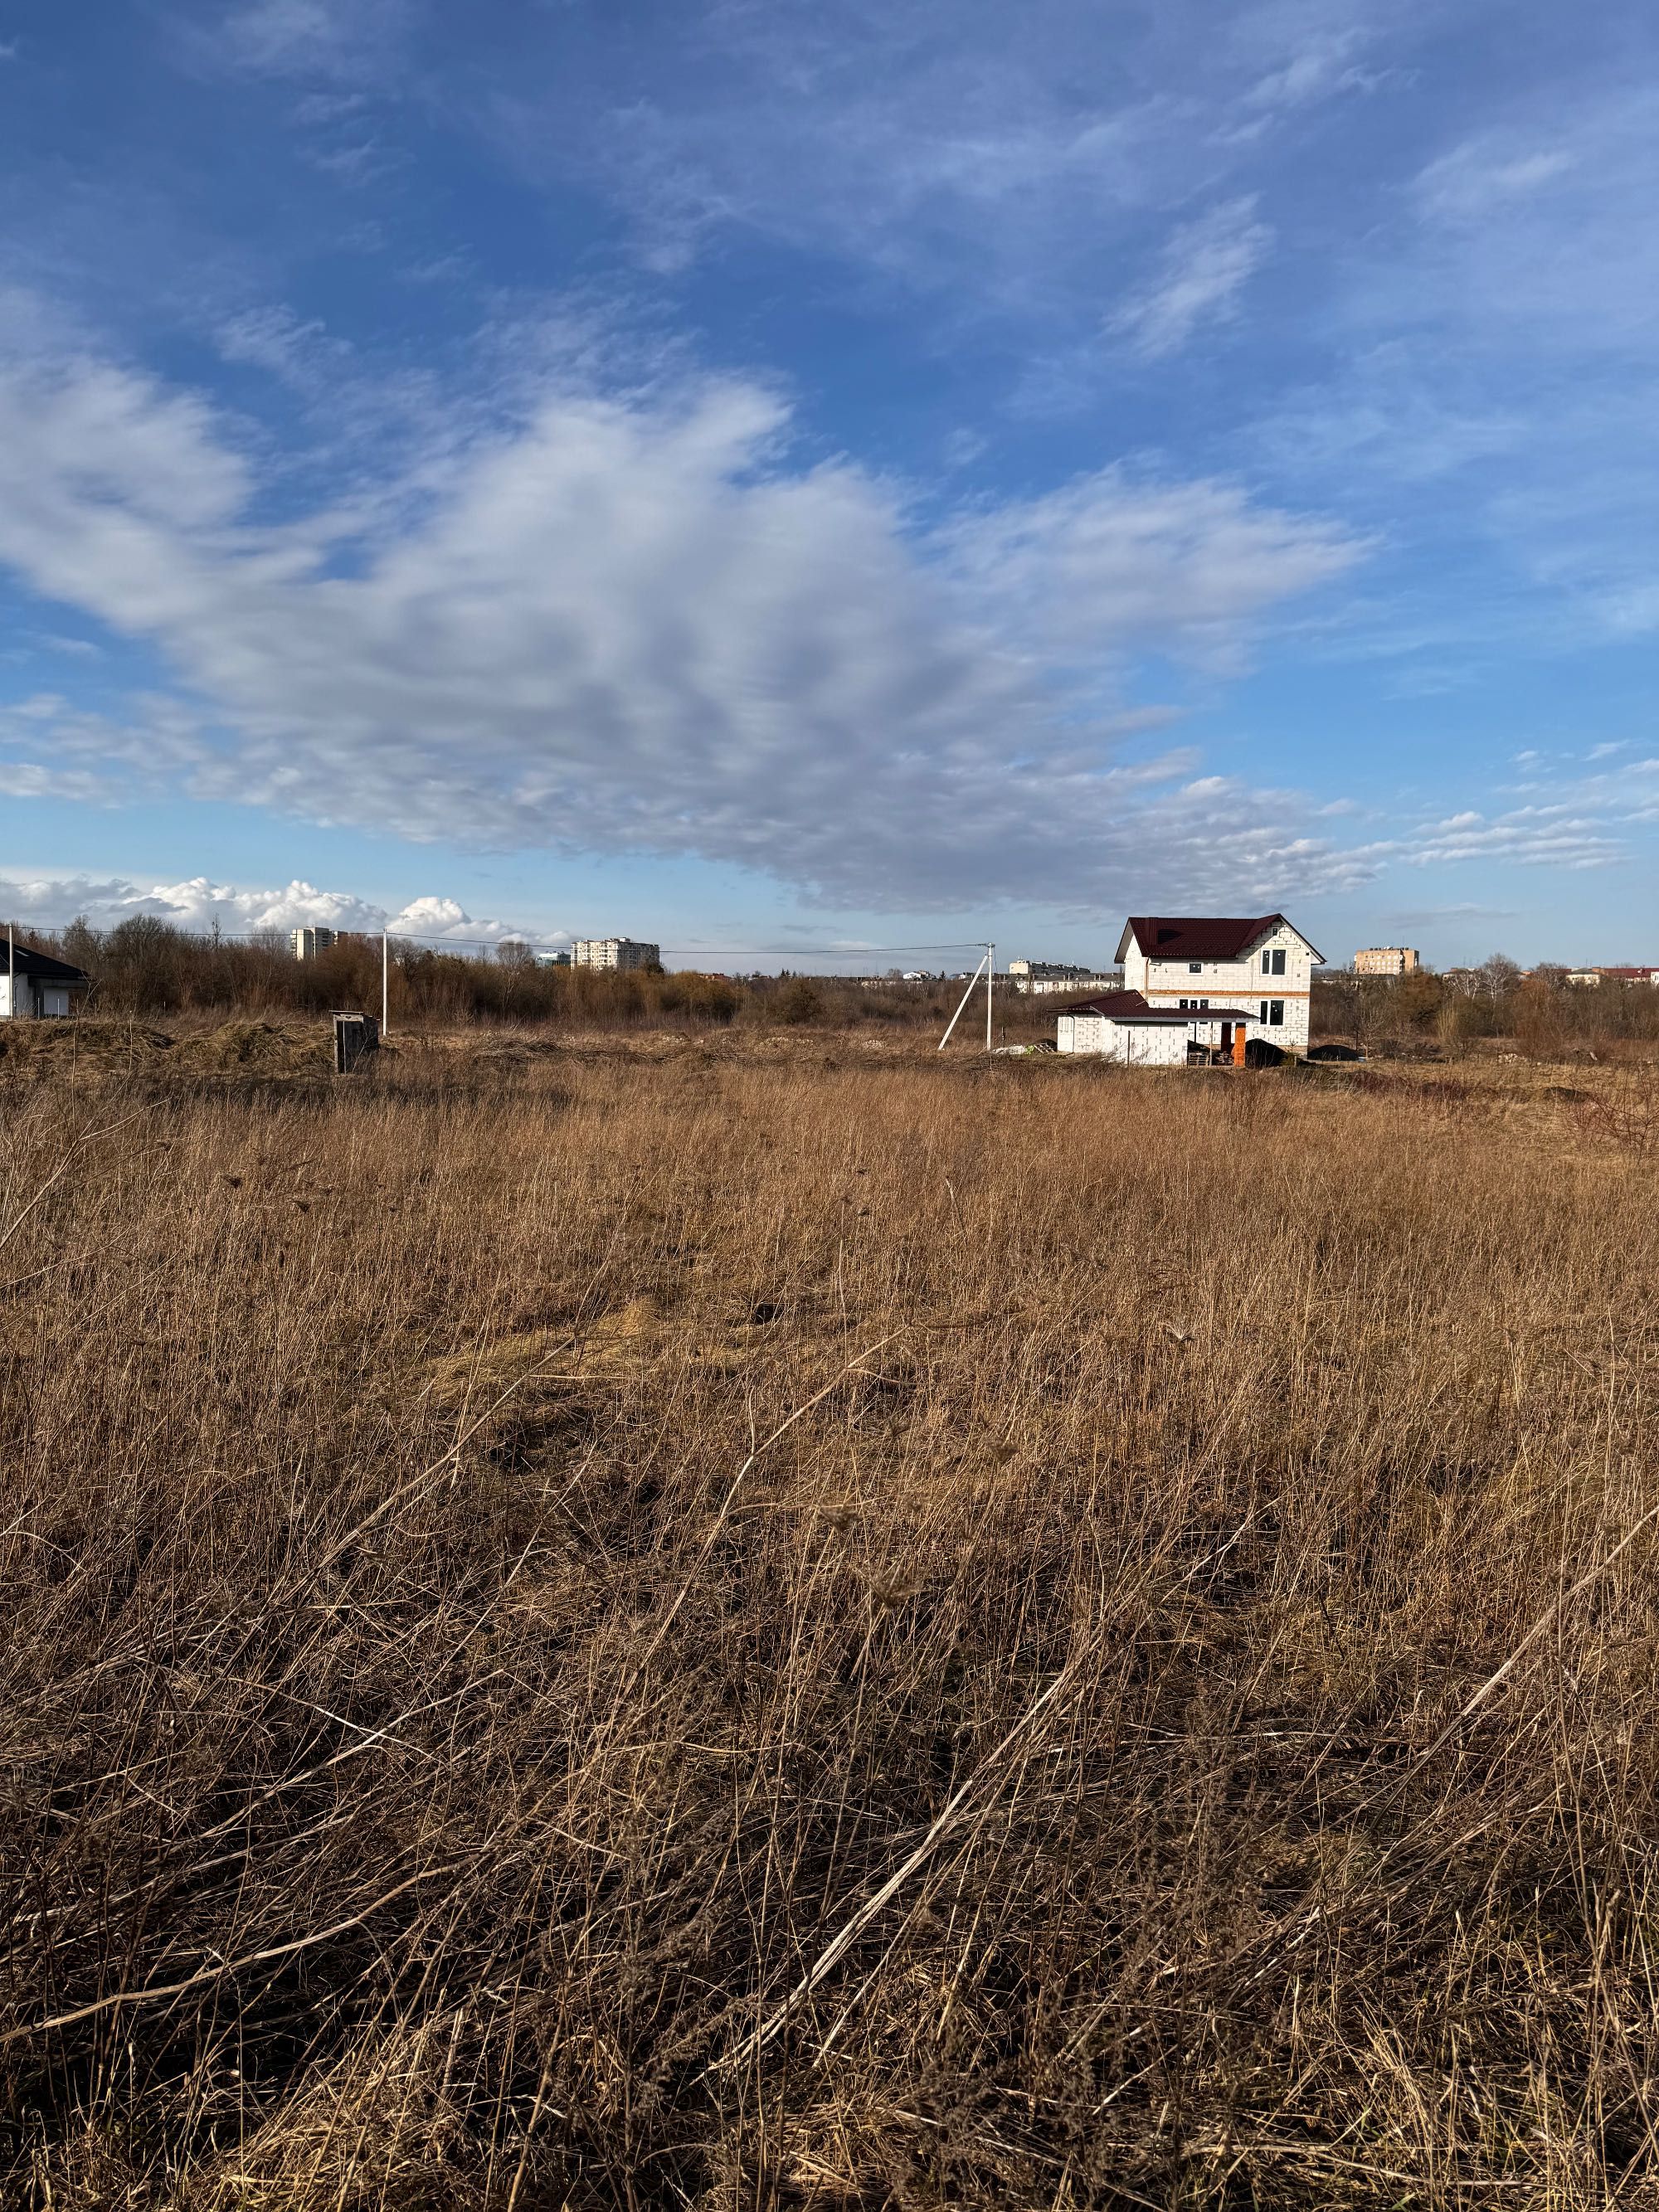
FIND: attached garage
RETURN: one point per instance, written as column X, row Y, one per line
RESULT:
column 1122, row 1026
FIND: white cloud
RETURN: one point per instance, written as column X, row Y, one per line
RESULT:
column 1575, row 821
column 326, row 38
column 1003, row 161
column 640, row 624
column 1316, row 74
column 1490, row 373
column 198, row 903
column 1473, row 179
column 1109, row 562
column 26, row 779
column 275, row 340
column 1314, row 50
column 1535, row 836
column 1204, row 270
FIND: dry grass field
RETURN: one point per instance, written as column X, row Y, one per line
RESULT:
column 676, row 1627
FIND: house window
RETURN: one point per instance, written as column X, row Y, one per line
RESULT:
column 1273, row 1013
column 1194, row 967
column 1273, row 963
column 1203, row 1002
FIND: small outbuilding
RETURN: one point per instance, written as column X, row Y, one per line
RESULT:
column 35, row 985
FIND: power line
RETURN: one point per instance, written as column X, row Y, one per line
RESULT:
column 825, row 951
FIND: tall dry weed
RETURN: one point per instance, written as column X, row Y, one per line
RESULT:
column 654, row 1634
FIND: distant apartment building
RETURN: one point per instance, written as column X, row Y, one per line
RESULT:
column 308, row 943
column 1387, row 960
column 553, row 960
column 1073, row 979
column 616, row 953
column 1047, row 971
column 1040, row 976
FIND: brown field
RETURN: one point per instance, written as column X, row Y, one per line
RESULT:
column 784, row 1624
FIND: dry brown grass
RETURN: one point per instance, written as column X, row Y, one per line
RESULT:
column 644, row 1631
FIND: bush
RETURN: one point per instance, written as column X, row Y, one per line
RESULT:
column 799, row 1001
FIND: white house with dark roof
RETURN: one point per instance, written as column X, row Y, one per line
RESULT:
column 35, row 985
column 1211, row 982
column 1263, row 964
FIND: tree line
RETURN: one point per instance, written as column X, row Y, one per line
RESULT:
column 146, row 967
column 1537, row 1010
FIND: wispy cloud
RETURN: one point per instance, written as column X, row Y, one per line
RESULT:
column 1492, row 376
column 1201, row 278
column 1476, row 178
column 1568, row 818
column 307, row 37
column 1008, row 162
column 274, row 338
column 1535, row 836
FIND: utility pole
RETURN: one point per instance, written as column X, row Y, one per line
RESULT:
column 385, row 984
column 11, row 973
column 987, row 961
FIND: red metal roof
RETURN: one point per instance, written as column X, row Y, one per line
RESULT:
column 1200, row 937
column 1131, row 1006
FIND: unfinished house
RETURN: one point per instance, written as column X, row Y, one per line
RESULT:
column 1261, row 964
column 1199, row 987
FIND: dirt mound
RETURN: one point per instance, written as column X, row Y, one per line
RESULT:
column 260, row 1048
column 92, row 1046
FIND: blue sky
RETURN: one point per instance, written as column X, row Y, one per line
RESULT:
column 757, row 473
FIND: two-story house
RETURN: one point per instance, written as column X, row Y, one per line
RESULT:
column 1261, row 967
